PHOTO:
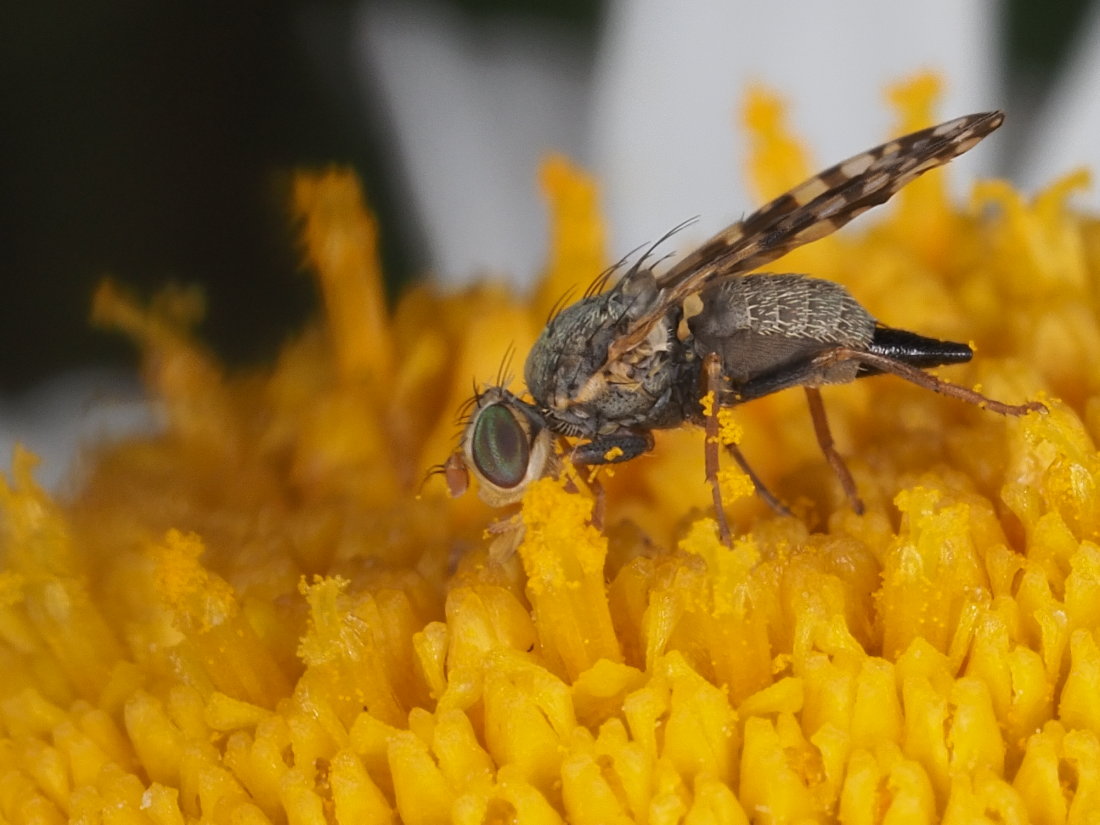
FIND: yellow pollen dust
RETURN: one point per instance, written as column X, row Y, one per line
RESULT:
column 734, row 484
column 729, row 431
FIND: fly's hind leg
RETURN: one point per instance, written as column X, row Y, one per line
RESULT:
column 884, row 363
column 923, row 379
column 825, row 441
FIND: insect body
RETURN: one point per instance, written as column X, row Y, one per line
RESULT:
column 618, row 364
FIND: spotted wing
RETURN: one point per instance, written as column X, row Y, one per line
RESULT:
column 813, row 209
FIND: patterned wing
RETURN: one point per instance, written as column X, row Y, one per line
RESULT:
column 813, row 209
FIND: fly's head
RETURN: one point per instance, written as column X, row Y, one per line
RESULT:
column 506, row 445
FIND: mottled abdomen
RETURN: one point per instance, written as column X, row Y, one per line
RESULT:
column 763, row 324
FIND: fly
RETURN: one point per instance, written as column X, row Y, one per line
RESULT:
column 637, row 357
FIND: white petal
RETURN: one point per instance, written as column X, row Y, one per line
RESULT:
column 672, row 77
column 474, row 108
column 58, row 417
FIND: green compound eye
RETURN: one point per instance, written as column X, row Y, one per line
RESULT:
column 499, row 447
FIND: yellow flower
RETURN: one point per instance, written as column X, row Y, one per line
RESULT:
column 262, row 615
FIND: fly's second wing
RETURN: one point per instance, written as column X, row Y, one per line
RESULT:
column 812, row 210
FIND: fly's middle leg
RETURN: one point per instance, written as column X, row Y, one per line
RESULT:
column 777, row 506
column 712, row 373
column 712, row 376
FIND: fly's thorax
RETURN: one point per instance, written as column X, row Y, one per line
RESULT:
column 506, row 445
column 574, row 343
column 568, row 351
column 568, row 373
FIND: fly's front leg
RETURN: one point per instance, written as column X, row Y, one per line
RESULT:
column 607, row 449
column 599, row 500
column 825, row 441
column 589, row 480
column 612, row 449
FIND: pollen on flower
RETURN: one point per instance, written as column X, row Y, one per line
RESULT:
column 261, row 614
column 563, row 556
column 729, row 431
column 186, row 585
column 734, row 484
